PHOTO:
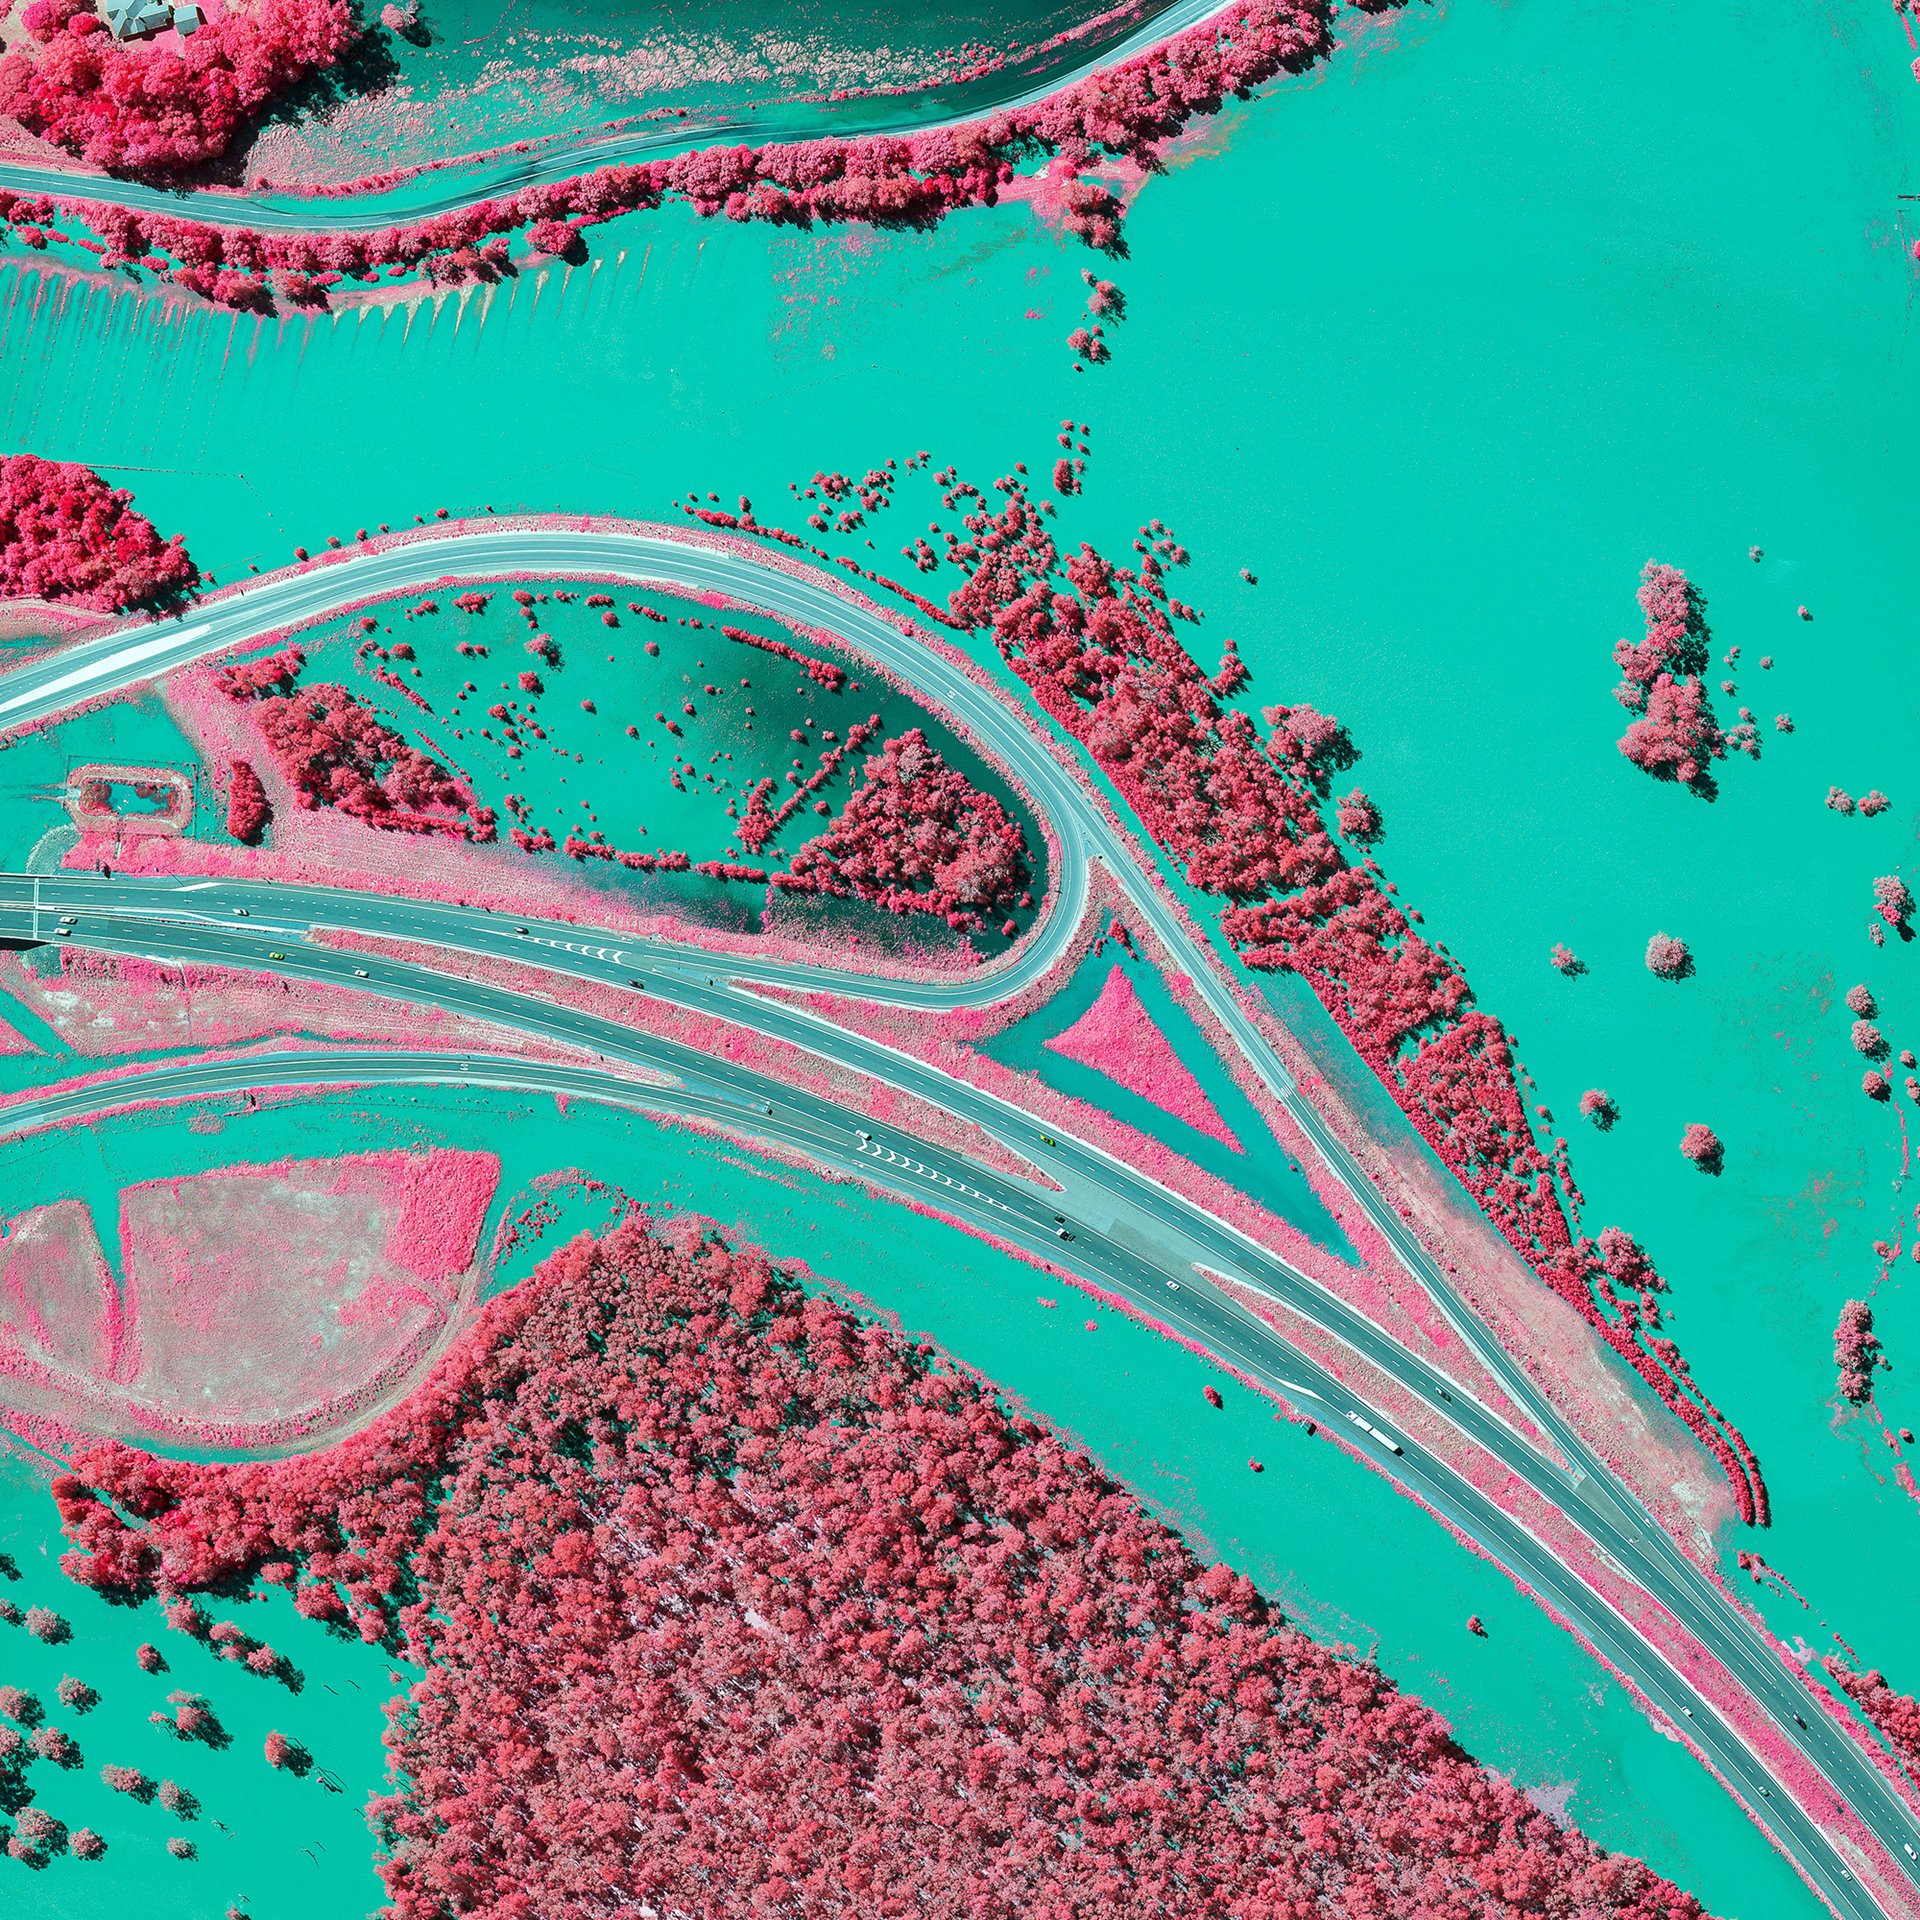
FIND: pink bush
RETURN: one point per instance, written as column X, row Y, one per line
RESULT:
column 1892, row 901
column 1896, row 1715
column 1856, row 1352
column 1597, row 1105
column 1677, row 738
column 44, row 1624
column 939, row 1639
column 1358, row 818
column 66, row 535
column 1126, row 109
column 124, row 1779
column 1668, row 957
column 1839, row 800
column 247, row 808
column 1703, row 1147
column 1860, row 1001
column 1566, row 961
column 1874, row 803
column 335, row 753
column 83, row 1843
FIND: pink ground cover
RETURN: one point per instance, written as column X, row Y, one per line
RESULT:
column 942, row 1663
column 105, row 1005
column 257, row 1303
column 1116, row 1036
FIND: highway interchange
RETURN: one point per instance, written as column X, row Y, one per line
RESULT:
column 1128, row 1233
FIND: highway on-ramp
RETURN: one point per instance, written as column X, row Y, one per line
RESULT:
column 196, row 921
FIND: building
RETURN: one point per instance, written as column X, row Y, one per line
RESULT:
column 133, row 19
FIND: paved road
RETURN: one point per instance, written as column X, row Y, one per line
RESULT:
column 125, row 913
column 461, row 183
column 1128, row 1234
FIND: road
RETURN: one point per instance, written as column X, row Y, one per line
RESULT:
column 1107, row 1199
column 460, row 183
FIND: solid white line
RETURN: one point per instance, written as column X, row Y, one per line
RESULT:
column 198, row 886
column 105, row 668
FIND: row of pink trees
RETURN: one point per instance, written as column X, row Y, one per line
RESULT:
column 65, row 535
column 1125, row 109
column 1242, row 814
column 735, row 1605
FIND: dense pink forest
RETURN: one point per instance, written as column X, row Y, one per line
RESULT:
column 736, row 1604
column 65, row 535
column 144, row 107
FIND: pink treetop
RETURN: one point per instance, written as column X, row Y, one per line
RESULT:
column 1702, row 1146
column 1668, row 958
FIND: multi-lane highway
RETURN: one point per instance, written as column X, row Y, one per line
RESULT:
column 1128, row 1232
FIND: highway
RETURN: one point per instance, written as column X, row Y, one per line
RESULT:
column 1145, row 1235
column 463, row 182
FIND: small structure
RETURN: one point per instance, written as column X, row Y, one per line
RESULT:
column 186, row 20
column 132, row 19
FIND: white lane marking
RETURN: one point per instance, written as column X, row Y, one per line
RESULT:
column 930, row 1173
column 198, row 886
column 105, row 669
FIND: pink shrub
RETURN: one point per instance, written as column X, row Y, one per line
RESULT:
column 1358, row 818
column 1856, row 1352
column 1893, row 902
column 1566, row 961
column 1597, row 1105
column 1668, row 958
column 1867, row 1039
column 1703, row 1147
column 1873, row 803
column 1839, row 800
column 83, row 1843
column 124, row 1779
column 1860, row 1001
column 44, row 1624
column 247, row 809
column 1677, row 738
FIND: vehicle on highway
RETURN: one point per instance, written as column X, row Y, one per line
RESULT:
column 276, row 955
column 1063, row 1233
column 359, row 973
column 240, row 913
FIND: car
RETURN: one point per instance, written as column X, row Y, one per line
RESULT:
column 1047, row 1140
column 1063, row 1233
column 63, row 933
column 276, row 955
column 240, row 913
column 519, row 929
column 359, row 973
